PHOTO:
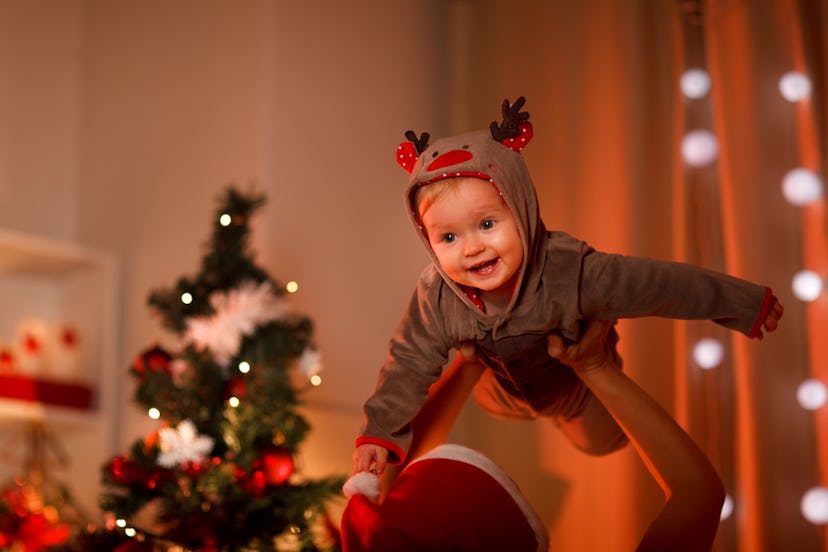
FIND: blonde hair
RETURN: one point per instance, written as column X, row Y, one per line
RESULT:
column 426, row 194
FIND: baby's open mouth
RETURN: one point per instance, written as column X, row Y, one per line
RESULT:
column 484, row 267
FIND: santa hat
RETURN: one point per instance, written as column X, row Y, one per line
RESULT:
column 451, row 499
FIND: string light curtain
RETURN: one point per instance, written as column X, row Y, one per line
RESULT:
column 663, row 130
column 768, row 146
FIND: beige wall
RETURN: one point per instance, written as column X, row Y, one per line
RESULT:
column 40, row 96
column 123, row 120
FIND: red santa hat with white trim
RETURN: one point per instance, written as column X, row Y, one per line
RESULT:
column 451, row 499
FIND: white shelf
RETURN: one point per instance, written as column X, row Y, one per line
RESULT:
column 59, row 283
column 16, row 411
column 25, row 254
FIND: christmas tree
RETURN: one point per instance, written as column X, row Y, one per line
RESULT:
column 219, row 473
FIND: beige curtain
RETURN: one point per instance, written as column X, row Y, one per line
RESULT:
column 601, row 81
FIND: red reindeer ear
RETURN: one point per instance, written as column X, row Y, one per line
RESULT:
column 519, row 142
column 515, row 131
column 408, row 152
column 406, row 156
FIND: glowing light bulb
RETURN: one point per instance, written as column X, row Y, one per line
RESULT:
column 130, row 532
column 727, row 508
column 120, row 523
column 186, row 298
column 708, row 353
column 811, row 394
column 154, row 413
column 801, row 187
column 814, row 505
column 316, row 380
column 699, row 148
column 292, row 287
column 244, row 367
column 795, row 86
column 695, row 83
column 806, row 285
column 234, row 402
column 225, row 219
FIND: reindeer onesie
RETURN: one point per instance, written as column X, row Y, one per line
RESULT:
column 562, row 281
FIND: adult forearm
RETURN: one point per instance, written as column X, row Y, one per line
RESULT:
column 690, row 516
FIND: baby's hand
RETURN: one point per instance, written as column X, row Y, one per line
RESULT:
column 771, row 321
column 370, row 458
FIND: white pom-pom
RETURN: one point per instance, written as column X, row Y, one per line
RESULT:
column 363, row 483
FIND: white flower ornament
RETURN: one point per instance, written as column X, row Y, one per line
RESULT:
column 182, row 444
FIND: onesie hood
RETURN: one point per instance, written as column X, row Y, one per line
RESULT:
column 492, row 155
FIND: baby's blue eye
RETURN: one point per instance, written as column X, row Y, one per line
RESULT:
column 449, row 238
column 487, row 224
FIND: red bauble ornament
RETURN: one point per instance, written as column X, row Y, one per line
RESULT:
column 236, row 386
column 153, row 359
column 276, row 463
column 124, row 471
column 127, row 472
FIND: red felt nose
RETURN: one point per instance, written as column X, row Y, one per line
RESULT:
column 450, row 158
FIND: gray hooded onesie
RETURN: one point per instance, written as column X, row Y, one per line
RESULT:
column 562, row 282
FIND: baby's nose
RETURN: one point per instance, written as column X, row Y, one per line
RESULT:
column 473, row 247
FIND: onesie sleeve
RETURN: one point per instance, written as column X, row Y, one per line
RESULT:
column 417, row 352
column 618, row 286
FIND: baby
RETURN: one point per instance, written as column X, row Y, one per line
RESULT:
column 500, row 282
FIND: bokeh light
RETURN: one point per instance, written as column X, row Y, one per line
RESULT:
column 814, row 505
column 727, row 508
column 708, row 353
column 806, row 285
column 811, row 394
column 801, row 187
column 695, row 83
column 699, row 148
column 795, row 86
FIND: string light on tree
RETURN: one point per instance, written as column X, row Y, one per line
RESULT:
column 699, row 148
column 801, row 187
column 154, row 413
column 225, row 219
column 186, row 298
column 814, row 505
column 708, row 353
column 292, row 287
column 695, row 83
column 795, row 86
column 244, row 367
column 811, row 394
column 807, row 285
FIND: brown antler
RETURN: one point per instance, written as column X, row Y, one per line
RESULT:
column 512, row 117
column 421, row 143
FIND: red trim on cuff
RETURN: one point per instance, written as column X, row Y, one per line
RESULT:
column 756, row 331
column 396, row 455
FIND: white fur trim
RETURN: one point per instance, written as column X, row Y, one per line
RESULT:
column 363, row 483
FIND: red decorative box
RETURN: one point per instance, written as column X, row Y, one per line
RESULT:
column 73, row 395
